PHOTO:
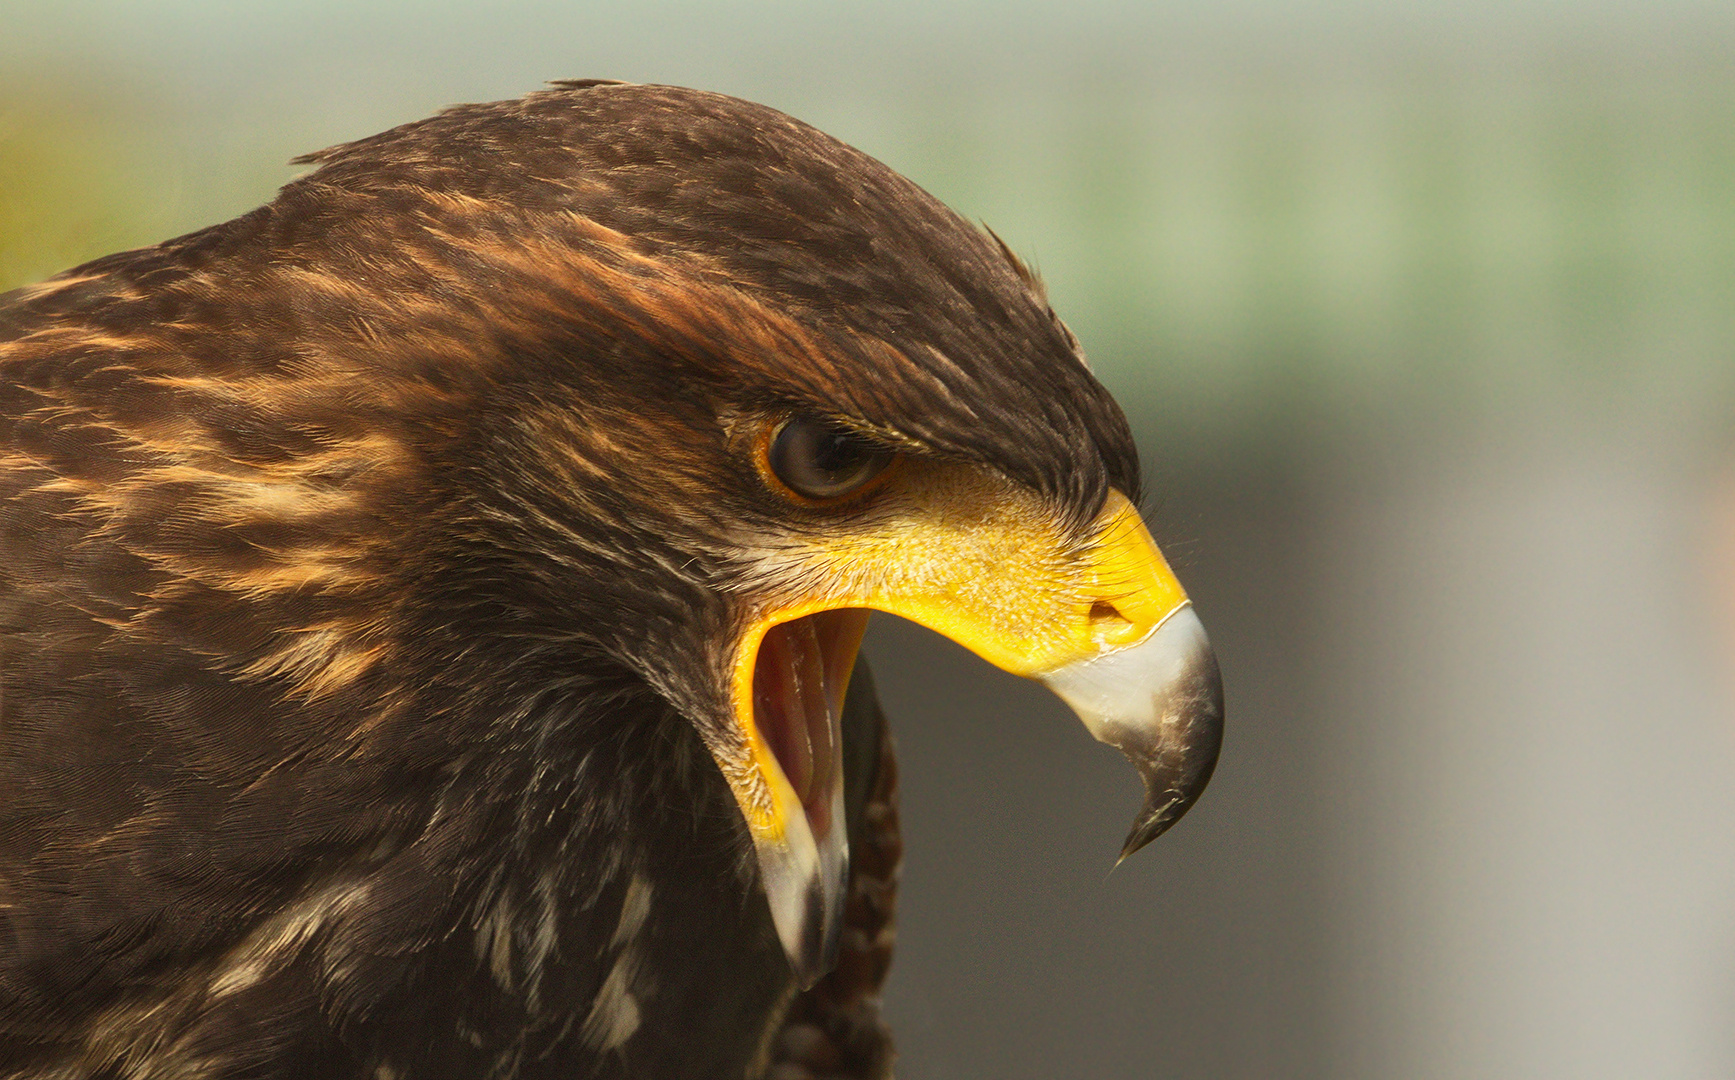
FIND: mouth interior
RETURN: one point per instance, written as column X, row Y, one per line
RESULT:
column 799, row 681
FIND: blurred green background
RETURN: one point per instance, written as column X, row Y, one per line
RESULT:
column 1425, row 317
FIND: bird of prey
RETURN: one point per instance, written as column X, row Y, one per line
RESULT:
column 429, row 602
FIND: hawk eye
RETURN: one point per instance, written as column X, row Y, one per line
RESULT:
column 823, row 460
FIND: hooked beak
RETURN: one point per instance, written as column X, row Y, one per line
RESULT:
column 1159, row 702
column 1102, row 622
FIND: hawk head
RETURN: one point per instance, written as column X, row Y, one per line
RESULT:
column 438, row 505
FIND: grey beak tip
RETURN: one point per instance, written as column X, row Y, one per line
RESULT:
column 815, row 954
column 1159, row 702
column 1178, row 763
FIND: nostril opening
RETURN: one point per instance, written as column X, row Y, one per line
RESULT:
column 1105, row 616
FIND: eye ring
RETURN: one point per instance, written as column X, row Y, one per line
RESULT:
column 821, row 460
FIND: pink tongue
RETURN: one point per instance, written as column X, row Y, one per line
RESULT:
column 798, row 685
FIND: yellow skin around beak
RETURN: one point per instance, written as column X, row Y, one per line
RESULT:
column 1099, row 617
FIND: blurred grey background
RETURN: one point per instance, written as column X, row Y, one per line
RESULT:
column 1425, row 315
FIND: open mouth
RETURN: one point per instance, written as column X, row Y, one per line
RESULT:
column 799, row 680
column 1096, row 615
